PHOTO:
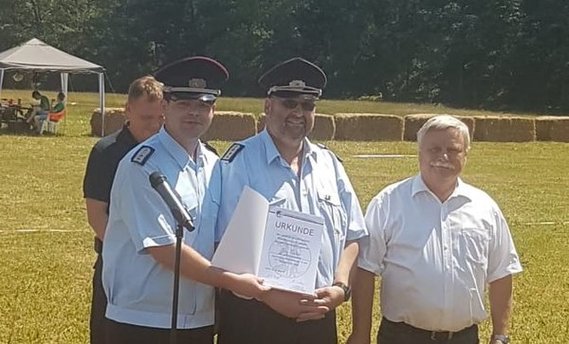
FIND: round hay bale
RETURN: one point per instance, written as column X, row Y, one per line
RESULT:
column 368, row 127
column 324, row 127
column 231, row 126
column 114, row 120
column 504, row 129
column 414, row 122
column 552, row 128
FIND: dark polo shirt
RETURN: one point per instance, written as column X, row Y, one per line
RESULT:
column 102, row 165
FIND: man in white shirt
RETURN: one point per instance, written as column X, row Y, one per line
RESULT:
column 436, row 242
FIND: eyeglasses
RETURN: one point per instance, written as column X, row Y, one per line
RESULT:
column 292, row 104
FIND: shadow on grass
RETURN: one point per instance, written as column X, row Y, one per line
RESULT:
column 6, row 131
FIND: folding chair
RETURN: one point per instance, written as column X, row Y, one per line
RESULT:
column 51, row 124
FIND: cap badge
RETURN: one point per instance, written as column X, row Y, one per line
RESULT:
column 297, row 83
column 197, row 83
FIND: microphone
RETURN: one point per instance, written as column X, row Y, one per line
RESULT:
column 161, row 185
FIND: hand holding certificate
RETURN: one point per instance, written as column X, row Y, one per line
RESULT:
column 279, row 245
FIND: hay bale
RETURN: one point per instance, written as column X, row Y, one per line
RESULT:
column 368, row 127
column 414, row 122
column 324, row 127
column 231, row 126
column 114, row 120
column 552, row 128
column 504, row 129
column 261, row 122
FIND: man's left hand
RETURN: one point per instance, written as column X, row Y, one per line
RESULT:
column 330, row 297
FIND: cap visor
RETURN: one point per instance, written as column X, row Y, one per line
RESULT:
column 204, row 97
column 295, row 93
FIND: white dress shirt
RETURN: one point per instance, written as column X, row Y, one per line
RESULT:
column 435, row 258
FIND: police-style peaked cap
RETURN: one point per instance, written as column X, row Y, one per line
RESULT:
column 294, row 77
column 195, row 77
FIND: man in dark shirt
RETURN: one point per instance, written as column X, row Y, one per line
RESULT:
column 144, row 119
column 39, row 111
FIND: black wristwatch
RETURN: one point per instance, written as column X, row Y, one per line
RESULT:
column 347, row 290
column 501, row 338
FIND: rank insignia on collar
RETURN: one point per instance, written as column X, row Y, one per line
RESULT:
column 142, row 155
column 232, row 151
column 210, row 148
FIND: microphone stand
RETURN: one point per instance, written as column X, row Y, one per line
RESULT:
column 176, row 287
column 183, row 220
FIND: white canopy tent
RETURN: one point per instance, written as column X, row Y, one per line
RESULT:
column 37, row 56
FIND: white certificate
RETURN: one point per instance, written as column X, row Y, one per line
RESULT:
column 280, row 245
column 291, row 248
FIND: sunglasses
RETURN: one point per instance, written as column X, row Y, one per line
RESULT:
column 292, row 104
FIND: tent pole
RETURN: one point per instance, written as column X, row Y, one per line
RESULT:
column 1, row 81
column 64, row 84
column 102, row 101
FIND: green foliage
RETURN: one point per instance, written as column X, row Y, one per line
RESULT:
column 46, row 247
column 498, row 54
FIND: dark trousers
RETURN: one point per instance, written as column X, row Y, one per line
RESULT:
column 119, row 333
column 400, row 333
column 250, row 321
column 98, row 305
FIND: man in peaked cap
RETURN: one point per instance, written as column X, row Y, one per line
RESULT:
column 292, row 173
column 139, row 242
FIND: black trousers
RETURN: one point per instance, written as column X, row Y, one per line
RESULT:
column 119, row 333
column 251, row 322
column 98, row 305
column 400, row 333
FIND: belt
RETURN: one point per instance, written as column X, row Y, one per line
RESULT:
column 98, row 245
column 436, row 336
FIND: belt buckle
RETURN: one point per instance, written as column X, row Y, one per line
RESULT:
column 435, row 335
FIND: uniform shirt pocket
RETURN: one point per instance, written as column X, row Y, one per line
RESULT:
column 334, row 215
column 472, row 246
column 191, row 205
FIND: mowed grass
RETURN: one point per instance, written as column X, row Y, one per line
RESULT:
column 46, row 243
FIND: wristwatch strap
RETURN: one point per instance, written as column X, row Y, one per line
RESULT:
column 347, row 290
column 502, row 338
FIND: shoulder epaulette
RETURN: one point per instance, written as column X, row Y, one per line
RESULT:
column 142, row 155
column 232, row 152
column 323, row 146
column 210, row 148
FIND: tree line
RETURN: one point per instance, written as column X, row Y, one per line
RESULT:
column 492, row 54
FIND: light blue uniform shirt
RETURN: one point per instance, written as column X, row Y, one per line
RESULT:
column 323, row 189
column 138, row 288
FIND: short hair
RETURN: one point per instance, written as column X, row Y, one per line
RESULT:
column 443, row 122
column 61, row 96
column 36, row 93
column 146, row 86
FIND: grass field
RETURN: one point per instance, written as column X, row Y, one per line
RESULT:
column 46, row 244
